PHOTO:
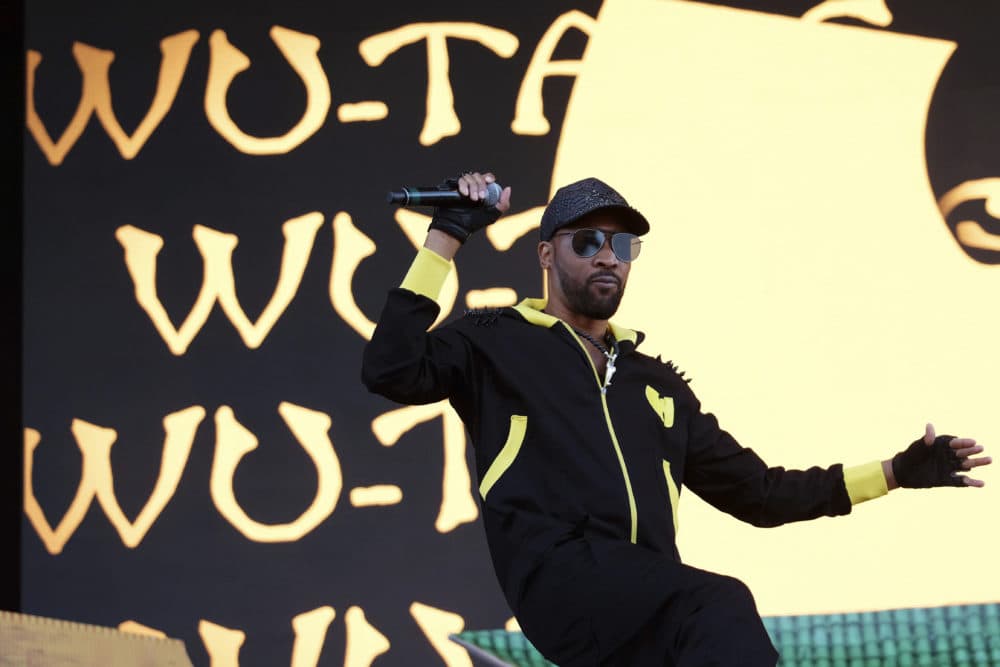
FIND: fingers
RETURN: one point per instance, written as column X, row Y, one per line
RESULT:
column 504, row 204
column 966, row 447
column 964, row 451
column 473, row 185
column 968, row 481
column 469, row 186
column 969, row 464
column 929, row 434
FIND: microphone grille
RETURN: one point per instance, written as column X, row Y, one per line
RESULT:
column 493, row 191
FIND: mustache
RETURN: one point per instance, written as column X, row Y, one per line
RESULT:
column 605, row 274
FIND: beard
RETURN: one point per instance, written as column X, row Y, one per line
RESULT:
column 586, row 299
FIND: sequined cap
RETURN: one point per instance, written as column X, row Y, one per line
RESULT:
column 572, row 202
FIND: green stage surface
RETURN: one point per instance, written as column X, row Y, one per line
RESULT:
column 947, row 636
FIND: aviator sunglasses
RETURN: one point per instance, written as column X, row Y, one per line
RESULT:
column 588, row 242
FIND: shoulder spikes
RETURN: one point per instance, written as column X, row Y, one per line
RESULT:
column 672, row 366
column 484, row 317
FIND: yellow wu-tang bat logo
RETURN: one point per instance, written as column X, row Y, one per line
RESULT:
column 662, row 405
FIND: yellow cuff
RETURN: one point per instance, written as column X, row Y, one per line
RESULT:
column 427, row 274
column 865, row 482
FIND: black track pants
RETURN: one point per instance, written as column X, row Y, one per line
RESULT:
column 599, row 603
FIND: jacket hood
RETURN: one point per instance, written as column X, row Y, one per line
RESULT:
column 532, row 311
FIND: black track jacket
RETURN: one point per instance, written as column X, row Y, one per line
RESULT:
column 558, row 455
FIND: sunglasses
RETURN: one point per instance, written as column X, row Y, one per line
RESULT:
column 588, row 242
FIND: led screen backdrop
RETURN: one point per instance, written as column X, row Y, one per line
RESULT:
column 207, row 247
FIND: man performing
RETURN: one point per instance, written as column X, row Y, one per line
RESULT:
column 582, row 442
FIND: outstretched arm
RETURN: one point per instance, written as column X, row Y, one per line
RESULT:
column 735, row 480
column 935, row 461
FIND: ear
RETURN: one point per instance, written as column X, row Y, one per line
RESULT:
column 545, row 251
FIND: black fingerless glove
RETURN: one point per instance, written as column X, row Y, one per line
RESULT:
column 461, row 222
column 921, row 466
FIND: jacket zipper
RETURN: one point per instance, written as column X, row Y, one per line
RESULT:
column 633, row 513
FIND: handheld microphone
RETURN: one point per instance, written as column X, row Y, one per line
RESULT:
column 442, row 196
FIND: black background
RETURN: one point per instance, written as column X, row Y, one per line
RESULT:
column 91, row 353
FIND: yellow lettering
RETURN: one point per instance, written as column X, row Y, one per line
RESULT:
column 94, row 65
column 55, row 152
column 54, row 540
column 529, row 113
column 97, row 479
column 218, row 283
column 137, row 628
column 362, row 112
column 970, row 232
column 495, row 297
column 350, row 247
column 378, row 495
column 503, row 233
column 176, row 50
column 457, row 503
column 874, row 12
column 300, row 234
column 440, row 120
column 227, row 61
column 233, row 442
column 141, row 248
column 364, row 642
column 223, row 644
column 310, row 634
column 437, row 625
column 95, row 442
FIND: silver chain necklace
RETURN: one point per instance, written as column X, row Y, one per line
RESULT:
column 610, row 355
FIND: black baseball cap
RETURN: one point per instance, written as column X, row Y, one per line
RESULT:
column 572, row 202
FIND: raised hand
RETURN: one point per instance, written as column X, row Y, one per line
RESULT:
column 460, row 222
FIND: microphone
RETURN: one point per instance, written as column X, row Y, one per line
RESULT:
column 442, row 196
